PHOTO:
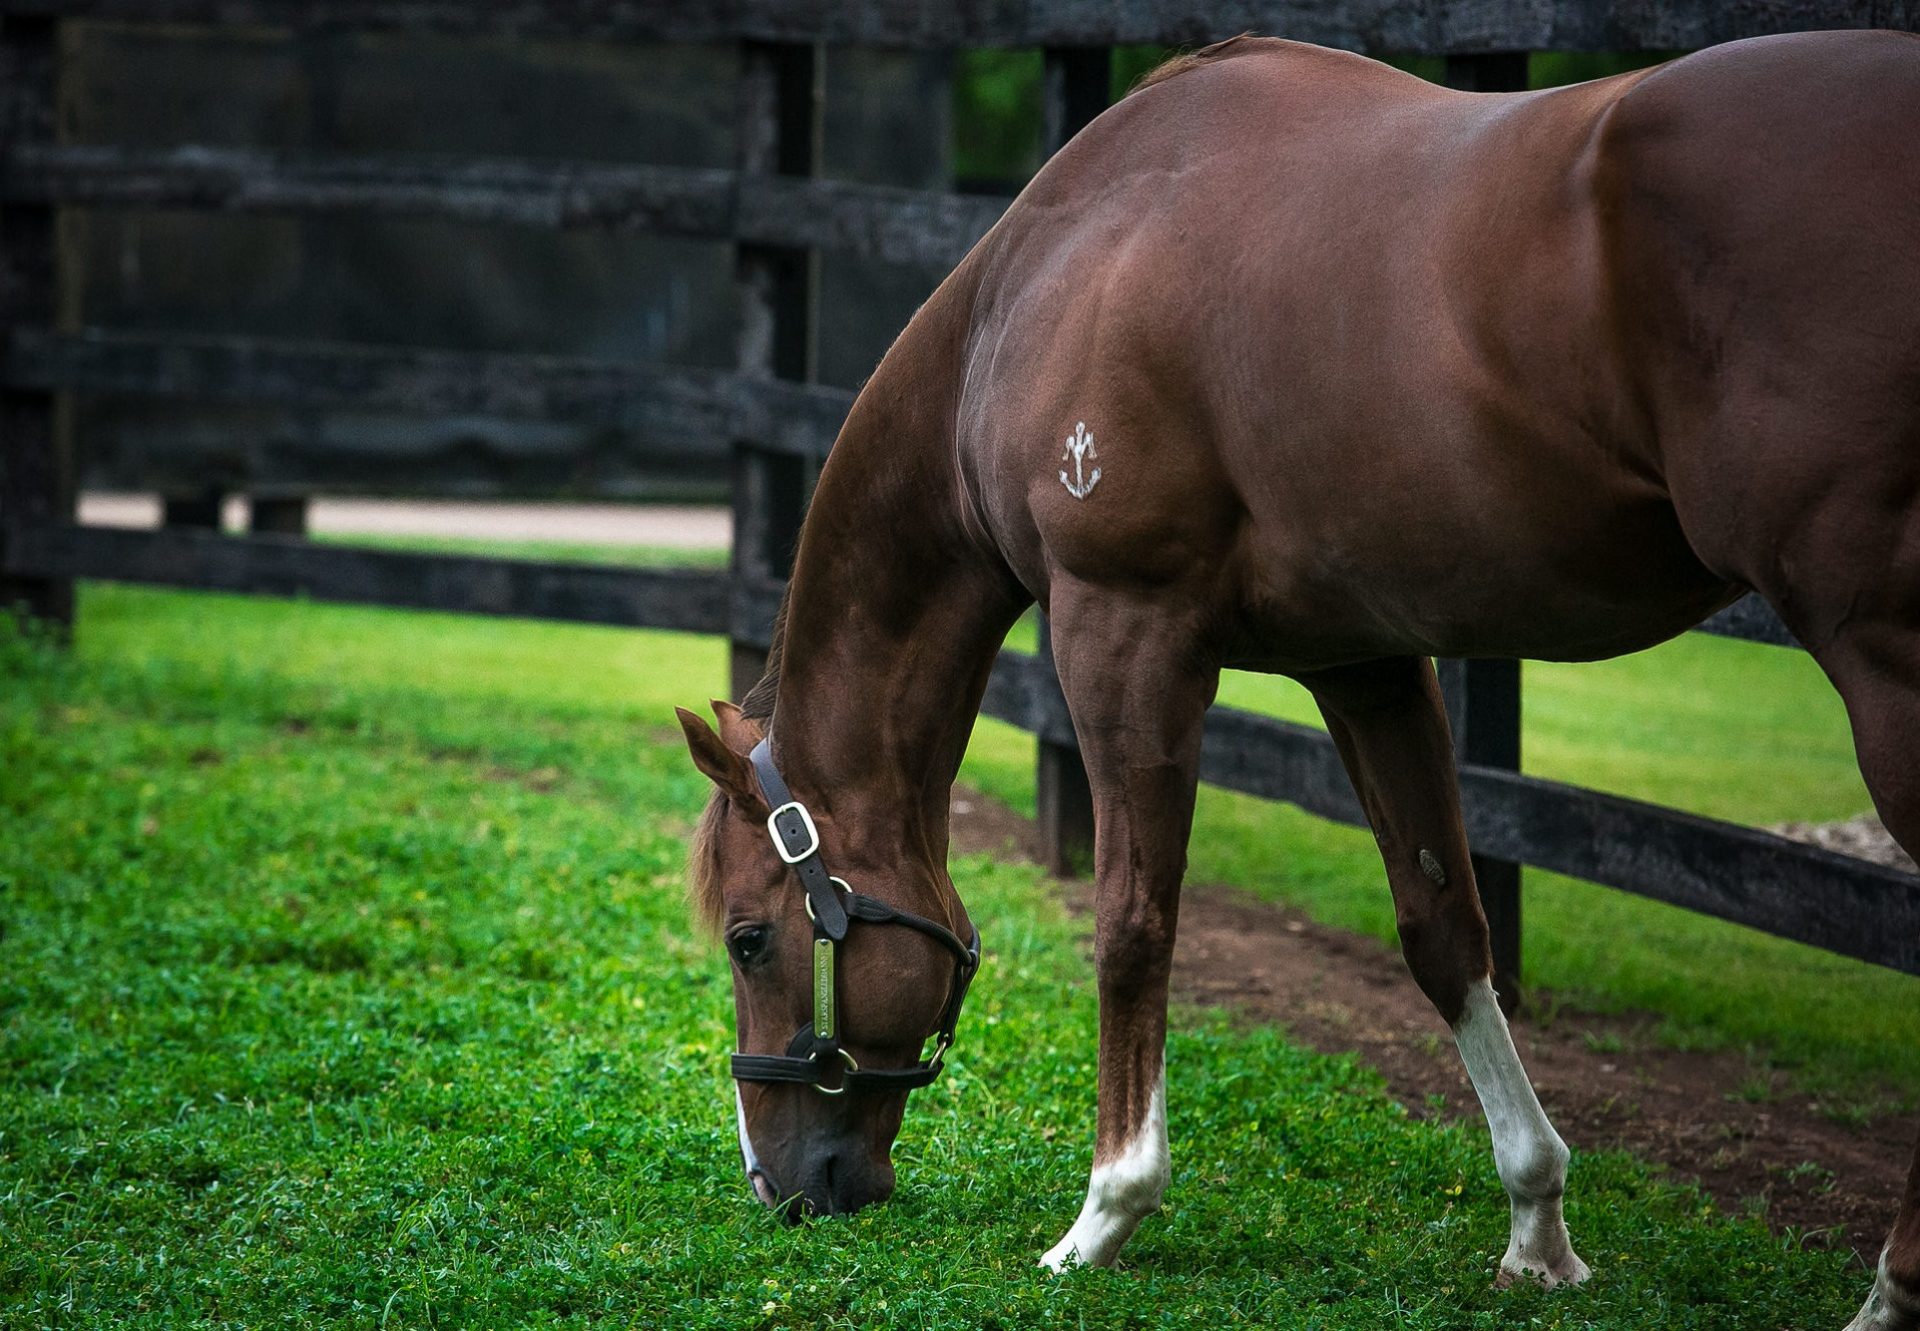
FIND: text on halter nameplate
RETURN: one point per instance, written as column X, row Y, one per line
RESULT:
column 823, row 988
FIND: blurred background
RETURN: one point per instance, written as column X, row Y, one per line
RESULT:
column 968, row 121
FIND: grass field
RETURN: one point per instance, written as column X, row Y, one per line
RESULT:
column 347, row 982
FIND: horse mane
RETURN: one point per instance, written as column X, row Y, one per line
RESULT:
column 1187, row 61
column 758, row 704
column 704, row 898
column 704, row 895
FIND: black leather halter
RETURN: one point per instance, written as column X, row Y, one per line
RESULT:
column 815, row 1054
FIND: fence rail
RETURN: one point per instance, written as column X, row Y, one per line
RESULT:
column 1736, row 873
column 709, row 407
column 779, row 425
column 1462, row 27
column 868, row 221
column 695, row 601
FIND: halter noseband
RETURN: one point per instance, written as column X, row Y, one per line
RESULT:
column 816, row 1050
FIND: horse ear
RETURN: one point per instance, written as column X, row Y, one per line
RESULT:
column 740, row 731
column 726, row 767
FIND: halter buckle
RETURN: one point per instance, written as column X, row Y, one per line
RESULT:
column 780, row 842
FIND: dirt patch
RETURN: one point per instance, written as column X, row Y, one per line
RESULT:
column 1713, row 1117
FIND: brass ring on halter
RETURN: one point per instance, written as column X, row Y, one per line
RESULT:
column 841, row 1089
column 843, row 885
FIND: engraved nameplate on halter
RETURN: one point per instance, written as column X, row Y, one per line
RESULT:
column 823, row 988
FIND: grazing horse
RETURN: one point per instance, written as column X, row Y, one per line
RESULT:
column 1292, row 362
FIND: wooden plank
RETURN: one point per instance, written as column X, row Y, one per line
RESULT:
column 1077, row 82
column 1277, row 760
column 1736, row 873
column 754, row 604
column 870, row 221
column 1483, row 711
column 693, row 601
column 1465, row 26
column 676, row 200
column 769, row 504
column 1075, row 85
column 198, row 510
column 277, row 515
column 36, row 462
column 1740, row 874
column 1023, row 692
column 655, row 402
column 1751, row 619
column 1063, row 794
column 779, row 109
column 1487, row 71
column 874, row 221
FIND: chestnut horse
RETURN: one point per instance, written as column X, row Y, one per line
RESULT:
column 1295, row 363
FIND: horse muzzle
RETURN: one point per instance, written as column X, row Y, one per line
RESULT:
column 834, row 1183
column 836, row 1177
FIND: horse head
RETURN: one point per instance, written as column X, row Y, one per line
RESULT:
column 832, row 1010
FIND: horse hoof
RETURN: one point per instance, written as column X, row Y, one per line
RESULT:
column 1567, row 1269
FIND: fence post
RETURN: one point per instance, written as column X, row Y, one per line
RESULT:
column 769, row 501
column 196, row 510
column 277, row 515
column 779, row 132
column 36, row 464
column 1483, row 697
column 1077, row 83
column 1490, row 71
column 1483, row 710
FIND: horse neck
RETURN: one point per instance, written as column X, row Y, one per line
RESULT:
column 895, row 612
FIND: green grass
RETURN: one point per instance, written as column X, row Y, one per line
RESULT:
column 347, row 982
column 1729, row 729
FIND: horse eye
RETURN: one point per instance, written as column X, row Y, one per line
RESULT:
column 747, row 944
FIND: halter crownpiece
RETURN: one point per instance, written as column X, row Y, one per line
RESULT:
column 815, row 1049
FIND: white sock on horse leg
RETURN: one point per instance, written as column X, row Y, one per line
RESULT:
column 1122, row 1191
column 1889, row 1307
column 1529, row 1154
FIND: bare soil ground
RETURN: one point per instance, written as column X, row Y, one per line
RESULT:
column 1713, row 1117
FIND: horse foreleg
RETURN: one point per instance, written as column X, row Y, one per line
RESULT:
column 1874, row 661
column 1137, row 710
column 1387, row 719
column 1894, row 1302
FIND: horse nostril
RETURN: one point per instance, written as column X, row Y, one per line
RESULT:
column 764, row 1187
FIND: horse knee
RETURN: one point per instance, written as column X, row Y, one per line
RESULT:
column 1447, row 952
column 1134, row 952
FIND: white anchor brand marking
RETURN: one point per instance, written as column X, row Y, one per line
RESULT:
column 1079, row 449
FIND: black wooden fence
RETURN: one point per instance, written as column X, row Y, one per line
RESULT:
column 779, row 425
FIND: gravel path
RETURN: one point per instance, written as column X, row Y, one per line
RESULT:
column 1863, row 837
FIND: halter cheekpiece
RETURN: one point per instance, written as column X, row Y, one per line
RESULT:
column 815, row 1053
